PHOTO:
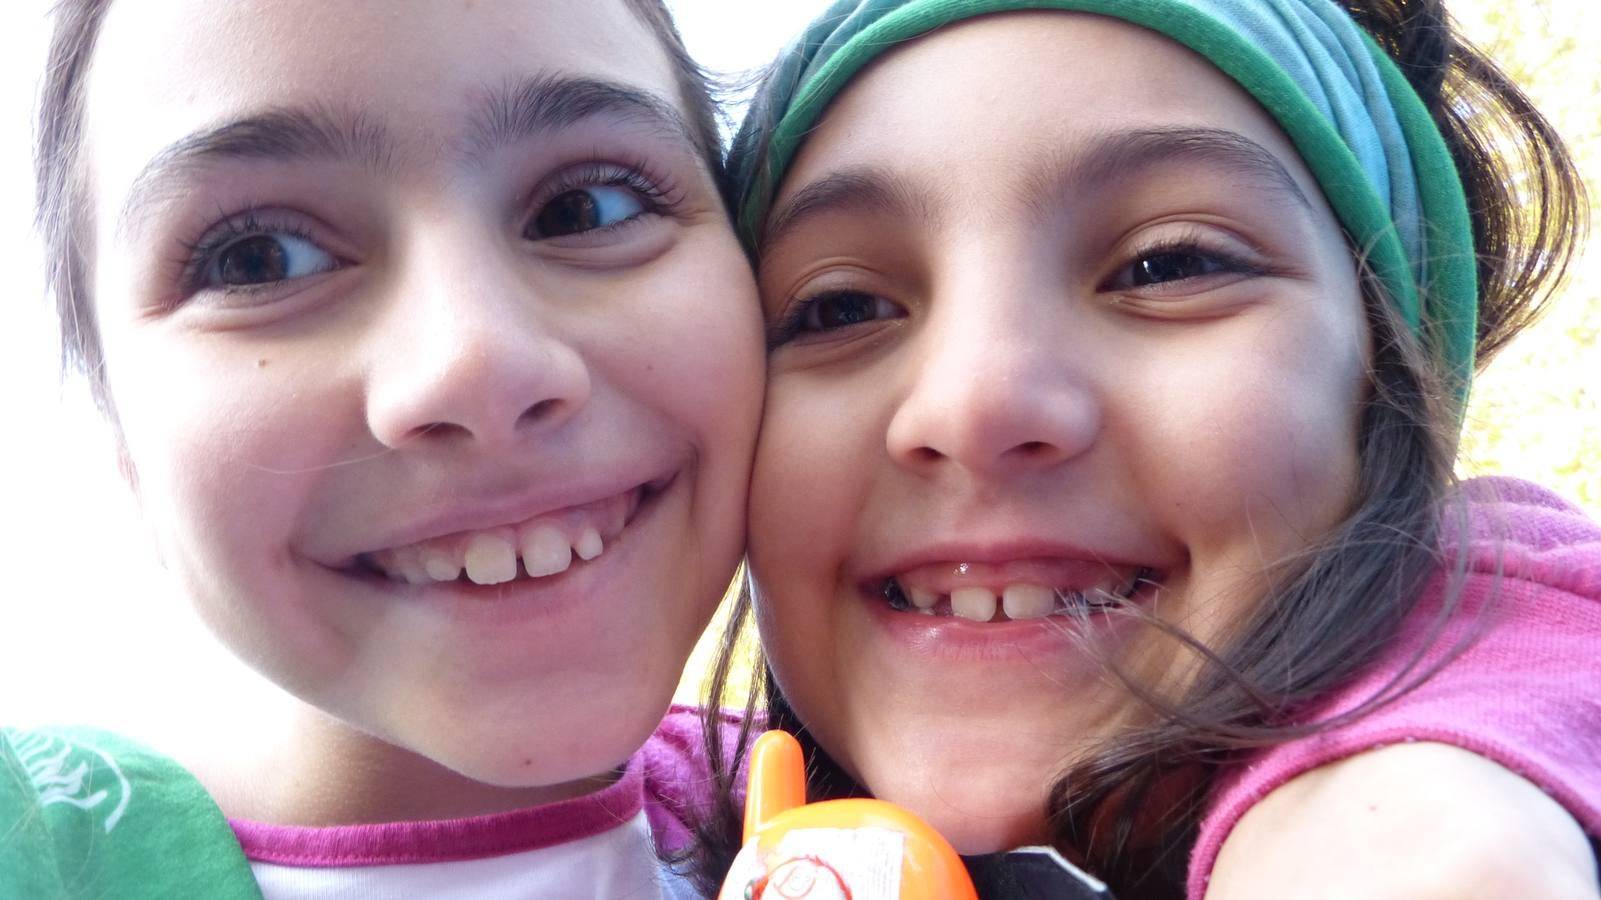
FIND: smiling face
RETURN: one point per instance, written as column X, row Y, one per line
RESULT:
column 1069, row 334
column 437, row 362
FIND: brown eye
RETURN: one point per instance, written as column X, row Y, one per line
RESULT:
column 571, row 213
column 1160, row 268
column 585, row 209
column 846, row 308
column 254, row 260
column 267, row 258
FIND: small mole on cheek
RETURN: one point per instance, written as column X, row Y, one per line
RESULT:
column 528, row 762
column 261, row 363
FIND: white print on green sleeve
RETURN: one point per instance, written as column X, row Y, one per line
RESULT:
column 86, row 813
column 61, row 773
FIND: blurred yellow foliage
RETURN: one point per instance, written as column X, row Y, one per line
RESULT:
column 1534, row 411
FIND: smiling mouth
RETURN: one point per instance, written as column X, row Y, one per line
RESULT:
column 544, row 546
column 1018, row 601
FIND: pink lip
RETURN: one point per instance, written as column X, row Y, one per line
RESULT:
column 470, row 515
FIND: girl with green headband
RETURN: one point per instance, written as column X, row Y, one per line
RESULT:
column 1117, row 354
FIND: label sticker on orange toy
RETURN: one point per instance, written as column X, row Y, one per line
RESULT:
column 823, row 864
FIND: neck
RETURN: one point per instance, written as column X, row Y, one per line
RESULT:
column 307, row 768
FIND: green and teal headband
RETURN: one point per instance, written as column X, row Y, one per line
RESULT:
column 1362, row 131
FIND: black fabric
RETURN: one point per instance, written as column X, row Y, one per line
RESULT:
column 1032, row 873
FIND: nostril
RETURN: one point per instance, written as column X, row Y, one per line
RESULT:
column 544, row 409
column 436, row 429
column 1033, row 448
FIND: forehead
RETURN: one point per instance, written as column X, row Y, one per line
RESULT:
column 1068, row 79
column 164, row 69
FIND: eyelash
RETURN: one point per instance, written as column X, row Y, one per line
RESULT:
column 790, row 325
column 1188, row 244
column 660, row 194
column 198, row 255
column 657, row 193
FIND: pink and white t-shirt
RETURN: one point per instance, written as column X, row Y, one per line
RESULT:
column 600, row 845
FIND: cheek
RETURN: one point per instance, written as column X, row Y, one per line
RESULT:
column 687, row 352
column 1263, row 449
column 693, row 349
column 814, row 466
column 812, row 475
column 225, row 445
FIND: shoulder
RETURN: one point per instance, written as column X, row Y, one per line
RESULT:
column 680, row 784
column 1512, row 675
column 678, row 747
column 111, row 812
column 92, row 771
column 1415, row 815
column 1515, row 529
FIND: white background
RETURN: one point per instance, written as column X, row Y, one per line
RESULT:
column 88, row 630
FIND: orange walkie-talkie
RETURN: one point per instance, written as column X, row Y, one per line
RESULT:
column 854, row 849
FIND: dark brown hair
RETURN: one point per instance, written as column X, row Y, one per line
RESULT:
column 62, row 207
column 1129, row 811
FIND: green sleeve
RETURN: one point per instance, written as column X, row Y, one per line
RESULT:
column 88, row 814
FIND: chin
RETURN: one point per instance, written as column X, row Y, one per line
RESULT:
column 533, row 744
column 530, row 760
column 976, row 824
column 979, row 808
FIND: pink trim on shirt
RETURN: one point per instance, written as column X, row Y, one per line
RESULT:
column 446, row 840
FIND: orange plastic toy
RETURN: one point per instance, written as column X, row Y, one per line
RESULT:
column 845, row 849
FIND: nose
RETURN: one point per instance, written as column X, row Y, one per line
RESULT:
column 470, row 352
column 997, row 388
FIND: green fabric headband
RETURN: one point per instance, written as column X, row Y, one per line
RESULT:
column 1362, row 131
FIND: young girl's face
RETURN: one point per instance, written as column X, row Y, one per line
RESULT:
column 1073, row 331
column 389, row 290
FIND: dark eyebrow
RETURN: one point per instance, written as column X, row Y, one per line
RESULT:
column 316, row 132
column 509, row 114
column 860, row 189
column 1115, row 156
column 1123, row 154
column 549, row 103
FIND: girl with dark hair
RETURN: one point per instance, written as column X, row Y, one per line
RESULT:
column 435, row 364
column 1118, row 350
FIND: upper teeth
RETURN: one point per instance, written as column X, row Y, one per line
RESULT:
column 546, row 551
column 1028, row 601
column 1017, row 601
column 974, row 603
column 490, row 557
